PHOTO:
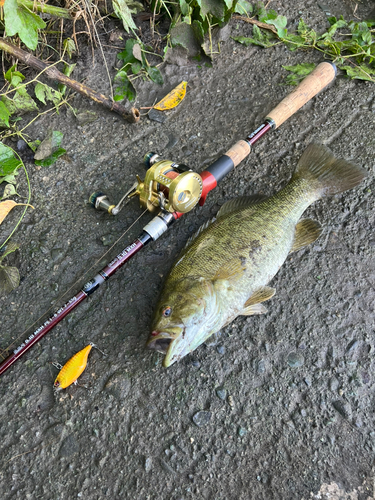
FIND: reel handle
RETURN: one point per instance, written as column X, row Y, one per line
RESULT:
column 316, row 81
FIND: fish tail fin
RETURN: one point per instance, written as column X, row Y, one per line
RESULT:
column 326, row 173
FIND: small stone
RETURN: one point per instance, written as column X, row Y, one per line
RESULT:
column 148, row 464
column 352, row 347
column 261, row 367
column 69, row 446
column 221, row 393
column 231, row 401
column 220, row 349
column 157, row 116
column 85, row 117
column 343, row 408
column 108, row 239
column 303, row 413
column 195, row 363
column 295, row 359
column 57, row 254
column 242, row 431
column 202, row 418
column 333, row 384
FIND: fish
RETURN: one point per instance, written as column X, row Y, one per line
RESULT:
column 225, row 268
column 73, row 368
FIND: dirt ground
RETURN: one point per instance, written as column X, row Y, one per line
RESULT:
column 289, row 394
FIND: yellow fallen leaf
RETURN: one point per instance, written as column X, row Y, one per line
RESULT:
column 172, row 99
column 6, row 207
column 2, row 2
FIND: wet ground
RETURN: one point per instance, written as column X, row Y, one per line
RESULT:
column 288, row 397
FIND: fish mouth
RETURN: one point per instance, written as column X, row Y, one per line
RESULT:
column 161, row 341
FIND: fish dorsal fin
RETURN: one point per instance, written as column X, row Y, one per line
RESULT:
column 240, row 203
column 254, row 309
column 307, row 231
column 198, row 232
column 233, row 269
column 263, row 293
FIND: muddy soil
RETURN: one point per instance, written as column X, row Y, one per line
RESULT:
column 288, row 395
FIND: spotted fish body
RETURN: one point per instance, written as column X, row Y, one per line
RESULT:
column 224, row 270
column 72, row 369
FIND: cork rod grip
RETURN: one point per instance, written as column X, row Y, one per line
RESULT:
column 316, row 81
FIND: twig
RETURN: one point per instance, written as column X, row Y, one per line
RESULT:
column 258, row 23
column 55, row 74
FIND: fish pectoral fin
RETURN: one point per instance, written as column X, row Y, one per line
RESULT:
column 254, row 309
column 239, row 203
column 232, row 270
column 307, row 231
column 260, row 295
column 253, row 304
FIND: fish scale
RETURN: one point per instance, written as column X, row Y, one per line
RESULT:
column 224, row 270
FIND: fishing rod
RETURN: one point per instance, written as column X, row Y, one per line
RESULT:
column 173, row 190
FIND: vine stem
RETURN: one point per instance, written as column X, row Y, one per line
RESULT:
column 28, row 201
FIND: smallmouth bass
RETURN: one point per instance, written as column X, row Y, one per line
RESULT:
column 225, row 267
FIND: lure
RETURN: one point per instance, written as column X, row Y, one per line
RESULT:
column 72, row 369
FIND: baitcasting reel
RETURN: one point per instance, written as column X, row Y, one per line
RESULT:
column 167, row 185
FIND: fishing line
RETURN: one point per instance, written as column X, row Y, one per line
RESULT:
column 72, row 286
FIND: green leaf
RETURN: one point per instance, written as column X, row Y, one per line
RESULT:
column 10, row 179
column 13, row 76
column 294, row 42
column 122, row 11
column 8, row 161
column 127, row 55
column 43, row 92
column 136, row 67
column 21, row 102
column 33, row 145
column 186, row 10
column 155, row 75
column 123, row 87
column 361, row 72
column 280, row 23
column 70, row 47
column 243, row 7
column 214, row 7
column 299, row 73
column 260, row 38
column 68, row 70
column 303, row 69
column 48, row 145
column 19, row 19
column 4, row 114
column 7, row 249
column 9, row 191
column 9, row 278
column 50, row 160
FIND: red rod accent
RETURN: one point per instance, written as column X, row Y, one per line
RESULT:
column 209, row 183
column 51, row 322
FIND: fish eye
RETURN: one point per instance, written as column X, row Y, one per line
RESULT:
column 167, row 311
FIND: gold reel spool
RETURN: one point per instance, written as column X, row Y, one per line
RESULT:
column 166, row 187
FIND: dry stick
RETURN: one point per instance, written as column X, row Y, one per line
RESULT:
column 55, row 74
column 251, row 20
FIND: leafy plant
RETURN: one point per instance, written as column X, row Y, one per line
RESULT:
column 10, row 163
column 134, row 65
column 350, row 45
column 192, row 20
column 49, row 150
